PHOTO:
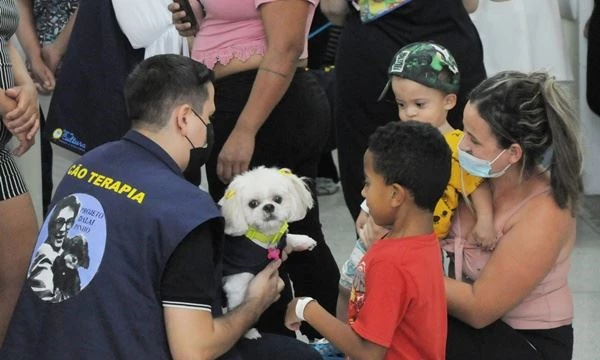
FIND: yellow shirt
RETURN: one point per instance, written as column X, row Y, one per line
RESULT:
column 461, row 182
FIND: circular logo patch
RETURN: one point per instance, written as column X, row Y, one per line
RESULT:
column 69, row 248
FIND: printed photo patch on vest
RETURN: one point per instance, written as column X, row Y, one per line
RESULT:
column 69, row 248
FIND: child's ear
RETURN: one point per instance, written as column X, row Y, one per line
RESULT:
column 399, row 195
column 449, row 101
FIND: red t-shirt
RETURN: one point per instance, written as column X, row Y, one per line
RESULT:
column 398, row 298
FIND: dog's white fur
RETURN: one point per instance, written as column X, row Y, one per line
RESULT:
column 264, row 198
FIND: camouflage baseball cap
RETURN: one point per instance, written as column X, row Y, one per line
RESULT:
column 428, row 64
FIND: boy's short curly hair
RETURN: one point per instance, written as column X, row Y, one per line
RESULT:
column 415, row 156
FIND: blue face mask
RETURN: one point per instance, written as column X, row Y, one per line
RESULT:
column 479, row 167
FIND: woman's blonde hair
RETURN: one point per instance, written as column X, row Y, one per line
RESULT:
column 532, row 110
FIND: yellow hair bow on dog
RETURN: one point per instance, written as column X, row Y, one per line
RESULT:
column 285, row 171
column 229, row 194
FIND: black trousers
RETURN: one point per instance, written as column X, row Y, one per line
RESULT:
column 293, row 136
column 593, row 61
column 499, row 341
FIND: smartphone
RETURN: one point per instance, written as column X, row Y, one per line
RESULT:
column 189, row 13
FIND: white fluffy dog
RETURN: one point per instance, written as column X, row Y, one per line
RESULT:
column 257, row 207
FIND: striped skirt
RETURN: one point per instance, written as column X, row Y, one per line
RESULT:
column 11, row 181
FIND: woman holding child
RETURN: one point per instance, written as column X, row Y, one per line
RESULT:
column 521, row 133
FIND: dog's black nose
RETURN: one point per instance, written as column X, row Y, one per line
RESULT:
column 269, row 208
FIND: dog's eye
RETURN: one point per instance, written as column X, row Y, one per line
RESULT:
column 277, row 199
column 253, row 204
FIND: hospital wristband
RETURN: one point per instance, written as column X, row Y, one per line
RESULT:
column 300, row 305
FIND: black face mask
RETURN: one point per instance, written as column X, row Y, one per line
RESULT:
column 199, row 156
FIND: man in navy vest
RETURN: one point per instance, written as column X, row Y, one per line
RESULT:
column 148, row 271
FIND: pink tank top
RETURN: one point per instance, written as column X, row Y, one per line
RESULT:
column 233, row 28
column 548, row 306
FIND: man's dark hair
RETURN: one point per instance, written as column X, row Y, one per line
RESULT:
column 161, row 82
column 415, row 156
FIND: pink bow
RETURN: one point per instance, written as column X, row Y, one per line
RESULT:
column 273, row 254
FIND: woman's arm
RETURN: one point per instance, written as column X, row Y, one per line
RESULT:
column 28, row 38
column 53, row 53
column 526, row 254
column 25, row 118
column 6, row 104
column 285, row 28
column 470, row 5
column 336, row 10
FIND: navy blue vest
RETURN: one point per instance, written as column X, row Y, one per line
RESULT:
column 134, row 190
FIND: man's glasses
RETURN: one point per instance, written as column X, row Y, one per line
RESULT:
column 60, row 222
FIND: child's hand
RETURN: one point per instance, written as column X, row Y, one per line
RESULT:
column 484, row 235
column 361, row 220
column 371, row 232
column 292, row 321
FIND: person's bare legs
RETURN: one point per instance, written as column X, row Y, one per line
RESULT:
column 18, row 229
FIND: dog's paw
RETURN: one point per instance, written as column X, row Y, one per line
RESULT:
column 311, row 244
column 301, row 242
column 252, row 334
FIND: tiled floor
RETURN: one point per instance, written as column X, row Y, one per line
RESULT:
column 584, row 278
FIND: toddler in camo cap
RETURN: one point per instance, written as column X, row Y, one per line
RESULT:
column 427, row 63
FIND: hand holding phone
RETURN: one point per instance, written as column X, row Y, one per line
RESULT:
column 189, row 13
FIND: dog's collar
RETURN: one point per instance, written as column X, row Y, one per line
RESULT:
column 255, row 234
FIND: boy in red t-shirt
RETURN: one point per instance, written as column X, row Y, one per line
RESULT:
column 397, row 304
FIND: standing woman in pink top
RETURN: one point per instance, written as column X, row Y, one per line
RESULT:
column 269, row 111
column 521, row 132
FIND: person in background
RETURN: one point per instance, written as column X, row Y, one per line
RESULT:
column 20, row 118
column 592, row 33
column 44, row 32
column 88, row 107
column 322, row 44
column 270, row 111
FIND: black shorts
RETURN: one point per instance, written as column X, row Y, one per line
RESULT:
column 499, row 341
